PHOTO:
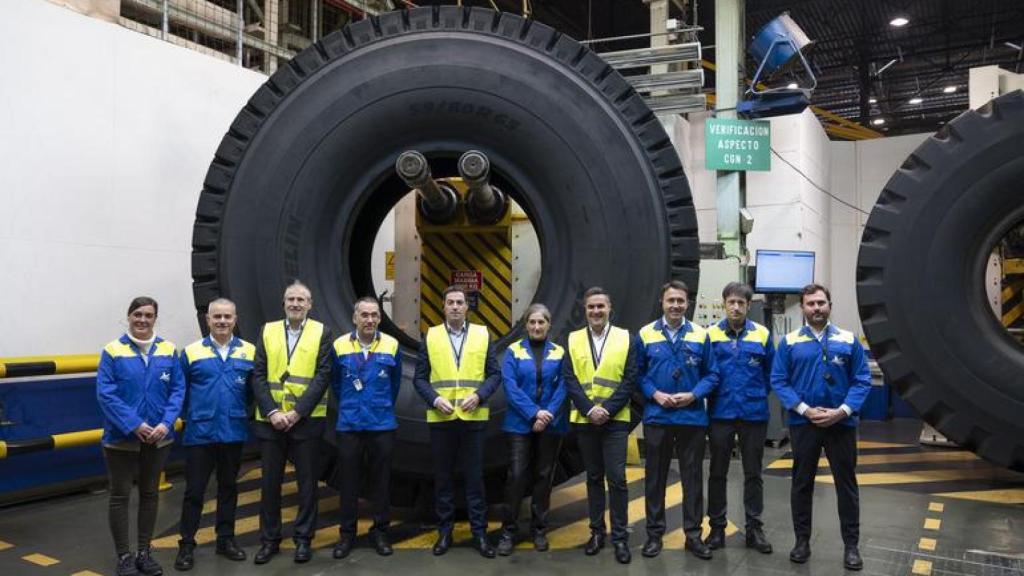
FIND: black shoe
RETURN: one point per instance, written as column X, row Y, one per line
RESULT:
column 801, row 551
column 622, row 555
column 757, row 541
column 186, row 559
column 381, row 543
column 126, row 565
column 444, row 542
column 303, row 552
column 230, row 550
column 698, row 548
column 715, row 539
column 595, row 544
column 145, row 564
column 484, row 547
column 540, row 542
column 851, row 559
column 343, row 547
column 651, row 548
column 506, row 543
column 265, row 553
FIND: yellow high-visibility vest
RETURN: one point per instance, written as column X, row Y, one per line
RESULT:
column 454, row 381
column 301, row 367
column 601, row 382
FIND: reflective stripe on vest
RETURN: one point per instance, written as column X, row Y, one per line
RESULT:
column 599, row 384
column 455, row 382
column 301, row 367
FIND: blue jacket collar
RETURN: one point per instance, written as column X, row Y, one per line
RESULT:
column 685, row 327
column 830, row 331
column 723, row 325
column 208, row 342
column 548, row 347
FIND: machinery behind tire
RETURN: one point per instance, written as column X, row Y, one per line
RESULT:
column 303, row 179
column 920, row 279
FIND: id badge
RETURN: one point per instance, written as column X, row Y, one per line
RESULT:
column 358, row 384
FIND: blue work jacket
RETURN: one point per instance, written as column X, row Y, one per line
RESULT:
column 528, row 392
column 686, row 365
column 130, row 391
column 744, row 368
column 216, row 391
column 366, row 387
column 802, row 363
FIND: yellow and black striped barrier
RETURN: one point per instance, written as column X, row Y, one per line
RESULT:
column 48, row 365
column 57, row 442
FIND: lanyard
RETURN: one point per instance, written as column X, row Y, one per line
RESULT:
column 288, row 345
column 595, row 353
column 361, row 361
column 462, row 344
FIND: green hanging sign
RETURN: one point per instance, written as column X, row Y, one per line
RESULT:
column 737, row 144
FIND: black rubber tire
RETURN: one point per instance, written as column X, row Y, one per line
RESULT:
column 920, row 280
column 304, row 177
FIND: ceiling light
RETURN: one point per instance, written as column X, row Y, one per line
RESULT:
column 949, row 89
column 915, row 100
column 899, row 21
column 878, row 121
column 872, row 100
column 792, row 86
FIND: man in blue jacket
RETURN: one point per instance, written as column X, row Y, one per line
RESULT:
column 679, row 373
column 739, row 407
column 366, row 377
column 216, row 371
column 822, row 378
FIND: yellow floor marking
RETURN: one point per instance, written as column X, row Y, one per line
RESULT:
column 87, row 573
column 936, row 506
column 250, row 497
column 577, row 493
column 257, row 473
column 5, row 545
column 882, row 478
column 328, row 535
column 922, row 567
column 932, row 523
column 867, row 459
column 246, row 525
column 1007, row 496
column 926, row 544
column 40, row 559
column 460, row 533
column 868, row 444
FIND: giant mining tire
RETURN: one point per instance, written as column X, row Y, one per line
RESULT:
column 920, row 280
column 305, row 175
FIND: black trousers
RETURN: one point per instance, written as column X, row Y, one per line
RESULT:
column 459, row 443
column 604, row 457
column 687, row 444
column 531, row 466
column 373, row 447
column 200, row 462
column 274, row 453
column 124, row 467
column 722, row 435
column 840, row 444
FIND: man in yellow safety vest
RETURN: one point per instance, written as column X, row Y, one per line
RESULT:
column 456, row 374
column 290, row 375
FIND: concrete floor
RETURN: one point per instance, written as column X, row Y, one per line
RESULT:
column 975, row 527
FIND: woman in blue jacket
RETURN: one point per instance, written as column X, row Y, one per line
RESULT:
column 535, row 422
column 140, row 388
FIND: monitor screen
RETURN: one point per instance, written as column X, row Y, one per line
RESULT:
column 783, row 271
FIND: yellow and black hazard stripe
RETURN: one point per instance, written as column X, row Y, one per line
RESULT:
column 486, row 251
column 48, row 365
column 1013, row 293
column 57, row 442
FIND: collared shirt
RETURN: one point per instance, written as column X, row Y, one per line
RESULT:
column 672, row 332
column 598, row 340
column 293, row 335
column 456, row 337
column 221, row 351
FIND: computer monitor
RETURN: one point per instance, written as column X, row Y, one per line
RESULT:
column 783, row 271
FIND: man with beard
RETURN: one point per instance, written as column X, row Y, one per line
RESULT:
column 821, row 376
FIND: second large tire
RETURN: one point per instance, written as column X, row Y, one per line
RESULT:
column 303, row 179
column 920, row 280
